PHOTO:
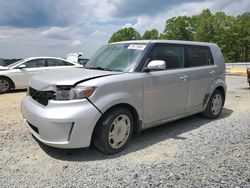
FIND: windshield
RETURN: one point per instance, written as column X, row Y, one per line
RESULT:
column 117, row 57
column 15, row 63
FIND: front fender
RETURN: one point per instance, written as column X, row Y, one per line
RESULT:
column 113, row 99
column 123, row 92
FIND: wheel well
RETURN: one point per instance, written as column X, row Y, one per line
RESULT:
column 137, row 122
column 12, row 83
column 221, row 89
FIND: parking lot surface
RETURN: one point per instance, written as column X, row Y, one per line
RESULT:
column 192, row 152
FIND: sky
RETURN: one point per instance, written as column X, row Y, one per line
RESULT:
column 58, row 27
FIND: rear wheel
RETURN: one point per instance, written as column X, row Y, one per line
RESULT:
column 215, row 104
column 114, row 131
column 5, row 85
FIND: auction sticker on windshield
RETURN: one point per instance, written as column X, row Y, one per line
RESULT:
column 136, row 46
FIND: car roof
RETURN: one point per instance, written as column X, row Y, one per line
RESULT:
column 47, row 57
column 167, row 41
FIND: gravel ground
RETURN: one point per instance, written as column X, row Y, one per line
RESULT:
column 192, row 152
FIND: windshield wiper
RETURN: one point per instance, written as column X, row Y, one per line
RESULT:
column 99, row 68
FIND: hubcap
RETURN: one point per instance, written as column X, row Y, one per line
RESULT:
column 216, row 104
column 4, row 85
column 119, row 131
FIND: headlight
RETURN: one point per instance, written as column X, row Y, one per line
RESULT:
column 66, row 93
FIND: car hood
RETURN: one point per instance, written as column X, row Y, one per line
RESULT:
column 66, row 77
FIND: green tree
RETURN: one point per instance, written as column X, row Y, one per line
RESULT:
column 224, row 36
column 151, row 34
column 124, row 34
column 179, row 28
column 231, row 33
column 244, row 35
column 204, row 30
column 231, row 50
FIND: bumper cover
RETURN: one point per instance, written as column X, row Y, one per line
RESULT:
column 61, row 124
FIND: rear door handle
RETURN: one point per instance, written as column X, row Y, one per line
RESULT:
column 183, row 77
column 212, row 73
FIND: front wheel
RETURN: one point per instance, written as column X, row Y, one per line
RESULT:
column 5, row 85
column 215, row 105
column 114, row 131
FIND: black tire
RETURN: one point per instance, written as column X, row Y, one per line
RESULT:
column 5, row 85
column 101, row 134
column 209, row 112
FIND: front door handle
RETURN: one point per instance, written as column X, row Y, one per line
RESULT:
column 183, row 77
column 212, row 73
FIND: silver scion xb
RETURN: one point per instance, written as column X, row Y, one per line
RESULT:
column 124, row 88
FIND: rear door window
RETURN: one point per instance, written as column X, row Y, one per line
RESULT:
column 198, row 56
column 57, row 62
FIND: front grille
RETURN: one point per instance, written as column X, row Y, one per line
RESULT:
column 41, row 97
column 33, row 128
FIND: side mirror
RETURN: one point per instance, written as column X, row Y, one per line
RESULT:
column 21, row 66
column 156, row 65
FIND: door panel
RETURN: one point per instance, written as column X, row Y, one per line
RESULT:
column 200, row 80
column 58, row 67
column 165, row 94
column 23, row 75
column 201, row 73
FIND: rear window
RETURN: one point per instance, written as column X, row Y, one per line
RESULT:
column 198, row 56
column 57, row 62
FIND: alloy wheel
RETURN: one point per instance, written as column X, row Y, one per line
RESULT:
column 4, row 85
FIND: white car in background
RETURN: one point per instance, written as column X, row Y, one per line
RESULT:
column 18, row 74
column 77, row 58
